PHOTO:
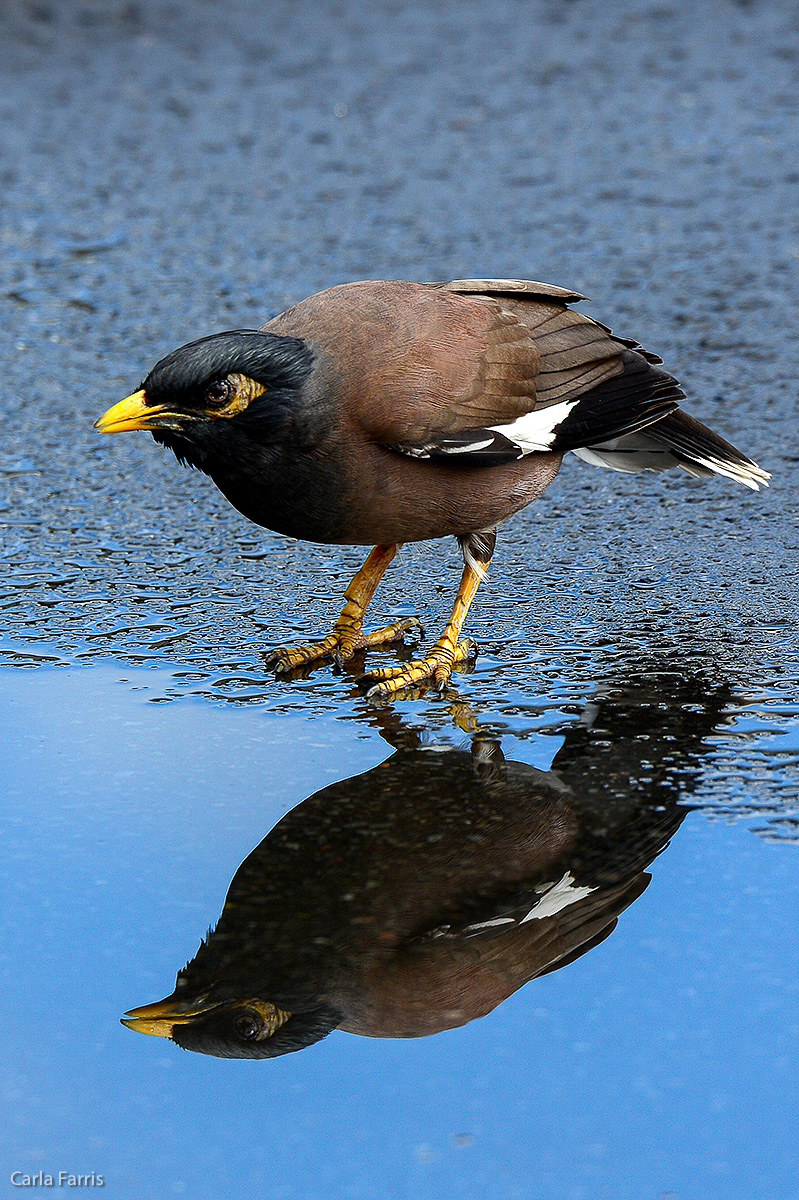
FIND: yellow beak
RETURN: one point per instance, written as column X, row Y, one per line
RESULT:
column 132, row 413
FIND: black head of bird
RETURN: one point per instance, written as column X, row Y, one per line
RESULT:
column 385, row 412
column 421, row 894
column 215, row 399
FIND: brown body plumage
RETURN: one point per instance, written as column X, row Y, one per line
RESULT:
column 384, row 412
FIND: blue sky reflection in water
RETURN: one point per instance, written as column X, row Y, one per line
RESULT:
column 644, row 155
column 663, row 1057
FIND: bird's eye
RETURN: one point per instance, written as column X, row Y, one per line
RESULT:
column 219, row 392
column 247, row 1027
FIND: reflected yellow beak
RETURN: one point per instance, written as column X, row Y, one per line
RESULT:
column 159, row 1018
column 132, row 413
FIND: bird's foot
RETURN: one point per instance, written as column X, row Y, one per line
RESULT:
column 339, row 645
column 435, row 668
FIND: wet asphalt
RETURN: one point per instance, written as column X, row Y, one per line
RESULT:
column 170, row 170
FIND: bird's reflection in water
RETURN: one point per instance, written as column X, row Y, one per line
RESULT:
column 420, row 894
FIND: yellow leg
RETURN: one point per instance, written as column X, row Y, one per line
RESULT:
column 348, row 635
column 438, row 663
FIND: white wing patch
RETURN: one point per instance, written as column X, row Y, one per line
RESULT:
column 536, row 431
column 471, row 447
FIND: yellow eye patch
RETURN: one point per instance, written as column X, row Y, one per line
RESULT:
column 243, row 391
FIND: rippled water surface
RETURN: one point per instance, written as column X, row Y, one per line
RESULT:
column 635, row 697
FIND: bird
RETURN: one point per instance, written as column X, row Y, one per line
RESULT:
column 381, row 412
column 417, row 896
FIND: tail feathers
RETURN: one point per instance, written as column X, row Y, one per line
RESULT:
column 677, row 440
column 694, row 445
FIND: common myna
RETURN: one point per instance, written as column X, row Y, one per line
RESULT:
column 421, row 894
column 386, row 412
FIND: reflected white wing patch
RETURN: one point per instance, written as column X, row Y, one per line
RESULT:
column 557, row 897
column 552, row 899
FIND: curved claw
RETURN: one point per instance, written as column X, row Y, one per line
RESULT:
column 283, row 659
column 393, row 632
column 436, row 667
column 340, row 645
